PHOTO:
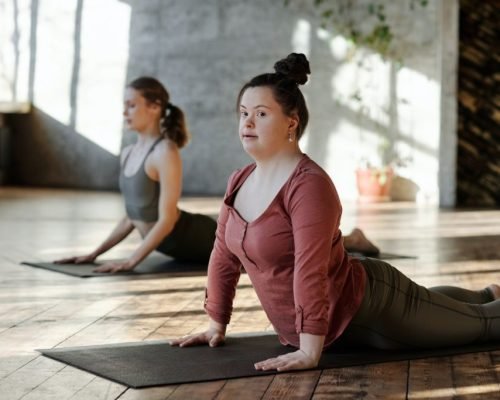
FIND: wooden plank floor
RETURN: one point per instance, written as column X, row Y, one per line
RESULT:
column 42, row 309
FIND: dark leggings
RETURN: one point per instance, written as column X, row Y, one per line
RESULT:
column 192, row 238
column 397, row 313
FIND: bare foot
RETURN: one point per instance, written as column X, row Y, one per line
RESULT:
column 495, row 291
column 357, row 242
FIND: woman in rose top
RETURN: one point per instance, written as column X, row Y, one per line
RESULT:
column 280, row 219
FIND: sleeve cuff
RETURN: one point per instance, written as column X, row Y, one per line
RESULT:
column 311, row 326
column 213, row 311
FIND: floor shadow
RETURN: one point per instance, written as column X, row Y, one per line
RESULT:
column 447, row 249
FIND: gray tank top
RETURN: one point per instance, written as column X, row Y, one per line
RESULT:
column 140, row 192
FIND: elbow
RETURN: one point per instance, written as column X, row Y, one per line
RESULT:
column 128, row 224
column 166, row 225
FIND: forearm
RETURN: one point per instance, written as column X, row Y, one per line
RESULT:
column 155, row 236
column 121, row 231
column 312, row 345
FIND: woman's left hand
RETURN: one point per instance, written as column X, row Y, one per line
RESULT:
column 287, row 362
column 115, row 266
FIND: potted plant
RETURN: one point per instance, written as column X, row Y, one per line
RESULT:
column 374, row 181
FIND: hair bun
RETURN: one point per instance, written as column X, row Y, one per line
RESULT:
column 295, row 67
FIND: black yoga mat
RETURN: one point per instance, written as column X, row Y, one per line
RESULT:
column 154, row 264
column 156, row 363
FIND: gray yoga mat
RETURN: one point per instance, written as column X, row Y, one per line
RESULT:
column 154, row 264
column 382, row 256
column 155, row 363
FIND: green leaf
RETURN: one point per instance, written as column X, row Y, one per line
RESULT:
column 382, row 178
column 327, row 14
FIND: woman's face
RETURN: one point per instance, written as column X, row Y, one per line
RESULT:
column 139, row 115
column 264, row 128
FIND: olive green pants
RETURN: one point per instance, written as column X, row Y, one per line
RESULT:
column 192, row 238
column 397, row 313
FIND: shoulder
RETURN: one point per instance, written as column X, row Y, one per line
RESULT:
column 238, row 176
column 312, row 183
column 166, row 150
column 164, row 159
column 309, row 172
column 241, row 172
column 166, row 146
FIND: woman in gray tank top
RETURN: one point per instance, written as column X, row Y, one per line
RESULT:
column 150, row 181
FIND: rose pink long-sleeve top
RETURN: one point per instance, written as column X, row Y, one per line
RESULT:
column 294, row 255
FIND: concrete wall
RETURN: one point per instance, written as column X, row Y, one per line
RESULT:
column 79, row 54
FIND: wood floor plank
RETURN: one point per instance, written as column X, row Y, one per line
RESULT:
column 431, row 377
column 293, row 386
column 15, row 314
column 99, row 389
column 470, row 376
column 133, row 320
column 10, row 364
column 380, row 381
column 64, row 384
column 197, row 391
column 154, row 393
column 475, row 376
column 245, row 389
column 55, row 325
column 24, row 380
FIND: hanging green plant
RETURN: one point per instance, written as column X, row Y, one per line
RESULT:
column 363, row 24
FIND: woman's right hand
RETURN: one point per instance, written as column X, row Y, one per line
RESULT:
column 212, row 336
column 87, row 259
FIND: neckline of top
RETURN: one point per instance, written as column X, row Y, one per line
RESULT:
column 141, row 165
column 244, row 177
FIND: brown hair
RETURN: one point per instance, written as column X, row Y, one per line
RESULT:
column 290, row 72
column 173, row 122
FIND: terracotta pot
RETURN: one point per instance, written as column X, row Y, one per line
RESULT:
column 374, row 184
